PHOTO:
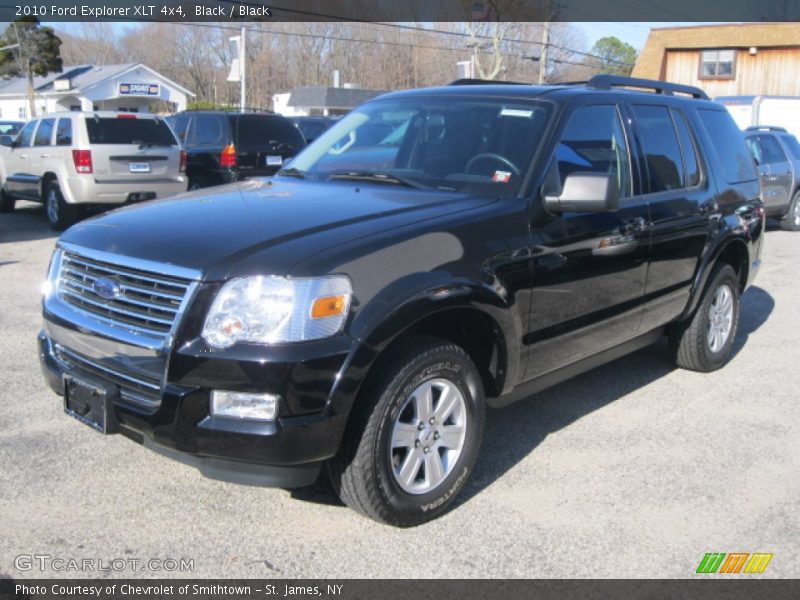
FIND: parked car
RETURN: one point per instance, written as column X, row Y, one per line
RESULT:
column 72, row 160
column 313, row 127
column 11, row 128
column 224, row 147
column 777, row 154
column 361, row 319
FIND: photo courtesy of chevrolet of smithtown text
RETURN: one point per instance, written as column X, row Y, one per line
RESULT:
column 350, row 299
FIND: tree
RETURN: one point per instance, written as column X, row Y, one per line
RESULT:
column 36, row 51
column 616, row 57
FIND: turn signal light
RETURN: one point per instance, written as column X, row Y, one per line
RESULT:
column 82, row 160
column 228, row 156
column 329, row 306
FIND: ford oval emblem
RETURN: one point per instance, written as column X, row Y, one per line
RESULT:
column 106, row 288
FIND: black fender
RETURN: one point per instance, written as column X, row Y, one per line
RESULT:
column 734, row 231
column 383, row 321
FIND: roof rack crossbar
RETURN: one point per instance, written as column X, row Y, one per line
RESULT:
column 606, row 82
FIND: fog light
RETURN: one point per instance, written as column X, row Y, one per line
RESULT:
column 241, row 405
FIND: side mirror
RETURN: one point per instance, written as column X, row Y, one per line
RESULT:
column 586, row 192
column 6, row 140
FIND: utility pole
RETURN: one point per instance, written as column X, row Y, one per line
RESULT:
column 543, row 53
column 242, row 60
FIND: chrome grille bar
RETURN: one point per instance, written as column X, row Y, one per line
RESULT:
column 144, row 301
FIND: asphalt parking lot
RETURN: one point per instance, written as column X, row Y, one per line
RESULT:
column 635, row 469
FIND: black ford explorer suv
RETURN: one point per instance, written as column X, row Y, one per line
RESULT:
column 360, row 309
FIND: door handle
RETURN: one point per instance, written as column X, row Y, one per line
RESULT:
column 708, row 208
column 634, row 226
column 44, row 156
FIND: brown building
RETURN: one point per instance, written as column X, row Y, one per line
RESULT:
column 737, row 59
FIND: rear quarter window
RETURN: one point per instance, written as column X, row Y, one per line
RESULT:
column 791, row 143
column 736, row 161
column 129, row 131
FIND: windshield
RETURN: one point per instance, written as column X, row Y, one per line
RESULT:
column 481, row 146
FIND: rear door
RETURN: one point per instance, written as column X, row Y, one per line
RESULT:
column 132, row 148
column 682, row 203
column 774, row 169
column 264, row 143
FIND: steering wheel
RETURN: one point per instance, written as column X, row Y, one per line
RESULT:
column 491, row 156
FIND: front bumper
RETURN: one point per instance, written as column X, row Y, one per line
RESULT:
column 286, row 453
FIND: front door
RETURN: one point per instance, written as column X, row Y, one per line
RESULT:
column 21, row 180
column 589, row 269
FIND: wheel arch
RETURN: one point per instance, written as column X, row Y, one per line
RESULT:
column 733, row 251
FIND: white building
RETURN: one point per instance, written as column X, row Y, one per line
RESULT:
column 130, row 87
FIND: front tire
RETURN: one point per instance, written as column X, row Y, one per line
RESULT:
column 414, row 436
column 60, row 215
column 791, row 220
column 705, row 342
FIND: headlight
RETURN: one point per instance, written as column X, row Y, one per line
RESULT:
column 276, row 309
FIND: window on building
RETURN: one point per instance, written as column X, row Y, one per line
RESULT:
column 717, row 64
column 22, row 113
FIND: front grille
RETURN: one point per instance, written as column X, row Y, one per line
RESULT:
column 143, row 301
column 134, row 388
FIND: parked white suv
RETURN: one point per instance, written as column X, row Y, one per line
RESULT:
column 71, row 159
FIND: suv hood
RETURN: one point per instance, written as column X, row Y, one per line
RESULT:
column 281, row 220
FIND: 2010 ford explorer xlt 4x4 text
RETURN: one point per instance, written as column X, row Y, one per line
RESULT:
column 433, row 252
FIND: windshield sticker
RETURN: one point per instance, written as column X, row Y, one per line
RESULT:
column 501, row 176
column 515, row 112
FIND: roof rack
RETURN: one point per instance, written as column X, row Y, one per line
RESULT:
column 606, row 82
column 468, row 81
column 766, row 128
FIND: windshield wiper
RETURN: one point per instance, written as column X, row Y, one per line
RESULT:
column 379, row 177
column 293, row 172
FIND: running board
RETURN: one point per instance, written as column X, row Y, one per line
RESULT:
column 552, row 378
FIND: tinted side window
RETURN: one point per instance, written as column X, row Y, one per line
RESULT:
column 179, row 125
column 26, row 135
column 45, row 132
column 728, row 141
column 593, row 141
column 662, row 152
column 771, row 151
column 206, row 131
column 64, row 132
column 691, row 163
column 791, row 143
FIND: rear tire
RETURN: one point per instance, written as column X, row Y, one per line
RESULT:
column 791, row 220
column 414, row 434
column 705, row 342
column 60, row 215
column 6, row 201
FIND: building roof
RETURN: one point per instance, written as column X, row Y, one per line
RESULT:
column 732, row 35
column 330, row 97
column 81, row 76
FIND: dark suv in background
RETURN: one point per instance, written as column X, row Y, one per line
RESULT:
column 224, row 147
column 483, row 242
column 777, row 154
